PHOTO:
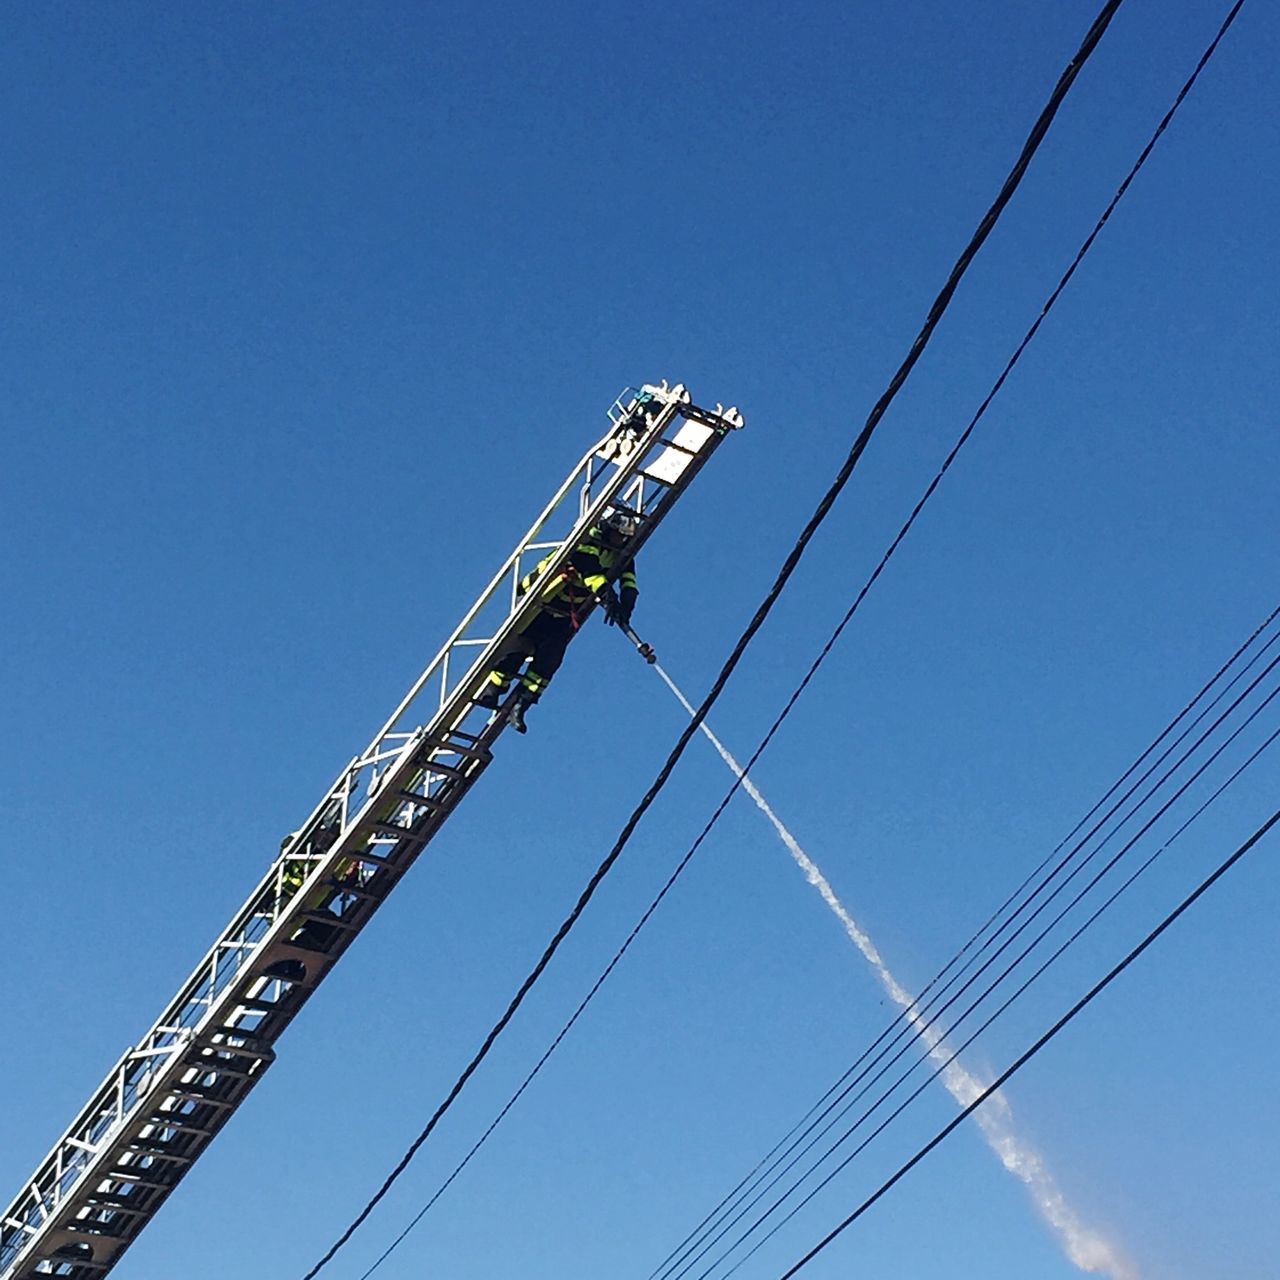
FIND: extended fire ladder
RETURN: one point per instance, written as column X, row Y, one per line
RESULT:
column 169, row 1095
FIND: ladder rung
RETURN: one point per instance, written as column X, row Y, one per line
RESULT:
column 137, row 1180
column 412, row 797
column 164, row 1120
column 378, row 859
column 355, row 891
column 319, row 917
column 671, row 444
column 438, row 766
column 252, row 1046
column 704, row 417
column 473, row 750
column 202, row 1099
column 117, row 1203
column 458, row 733
column 261, row 1006
column 393, row 832
column 84, row 1232
column 158, row 1152
column 236, row 1073
column 225, row 1067
column 81, row 1264
column 116, row 1211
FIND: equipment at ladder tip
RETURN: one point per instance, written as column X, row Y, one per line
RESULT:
column 177, row 1086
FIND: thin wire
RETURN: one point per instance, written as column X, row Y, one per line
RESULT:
column 961, row 441
column 920, row 1008
column 1087, row 923
column 989, row 990
column 1026, row 1057
column 936, row 311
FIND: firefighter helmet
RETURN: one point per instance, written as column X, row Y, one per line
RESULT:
column 621, row 524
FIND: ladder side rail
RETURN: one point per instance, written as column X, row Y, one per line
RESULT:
column 167, row 1035
column 266, row 918
column 221, row 1026
column 64, row 1165
column 258, row 906
column 87, row 1221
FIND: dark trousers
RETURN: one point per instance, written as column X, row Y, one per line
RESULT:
column 543, row 642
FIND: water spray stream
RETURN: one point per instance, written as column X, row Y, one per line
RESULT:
column 1082, row 1245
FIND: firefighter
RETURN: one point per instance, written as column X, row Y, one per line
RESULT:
column 581, row 581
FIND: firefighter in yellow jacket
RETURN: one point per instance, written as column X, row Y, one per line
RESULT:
column 581, row 581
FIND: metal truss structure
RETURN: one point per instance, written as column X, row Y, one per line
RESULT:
column 167, row 1097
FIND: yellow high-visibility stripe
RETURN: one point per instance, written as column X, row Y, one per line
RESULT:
column 567, row 585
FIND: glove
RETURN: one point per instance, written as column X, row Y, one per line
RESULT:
column 626, row 606
column 617, row 612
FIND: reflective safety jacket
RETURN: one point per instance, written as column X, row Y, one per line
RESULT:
column 582, row 577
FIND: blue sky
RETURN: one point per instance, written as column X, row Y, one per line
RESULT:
column 308, row 311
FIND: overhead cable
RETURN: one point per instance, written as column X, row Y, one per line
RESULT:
column 936, row 311
column 926, row 1008
column 971, row 1037
column 1031, row 332
column 1030, row 1053
column 976, row 1004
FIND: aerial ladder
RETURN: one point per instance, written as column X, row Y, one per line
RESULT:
column 168, row 1096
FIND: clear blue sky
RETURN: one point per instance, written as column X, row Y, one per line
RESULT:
column 308, row 308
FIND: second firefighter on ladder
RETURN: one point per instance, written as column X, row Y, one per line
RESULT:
column 566, row 596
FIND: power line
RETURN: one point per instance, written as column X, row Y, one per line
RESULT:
column 981, row 999
column 973, row 1036
column 903, row 1022
column 934, row 316
column 1030, row 1053
column 1030, row 334
column 936, row 311
column 922, row 1006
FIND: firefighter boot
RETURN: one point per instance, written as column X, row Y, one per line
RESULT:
column 516, row 709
